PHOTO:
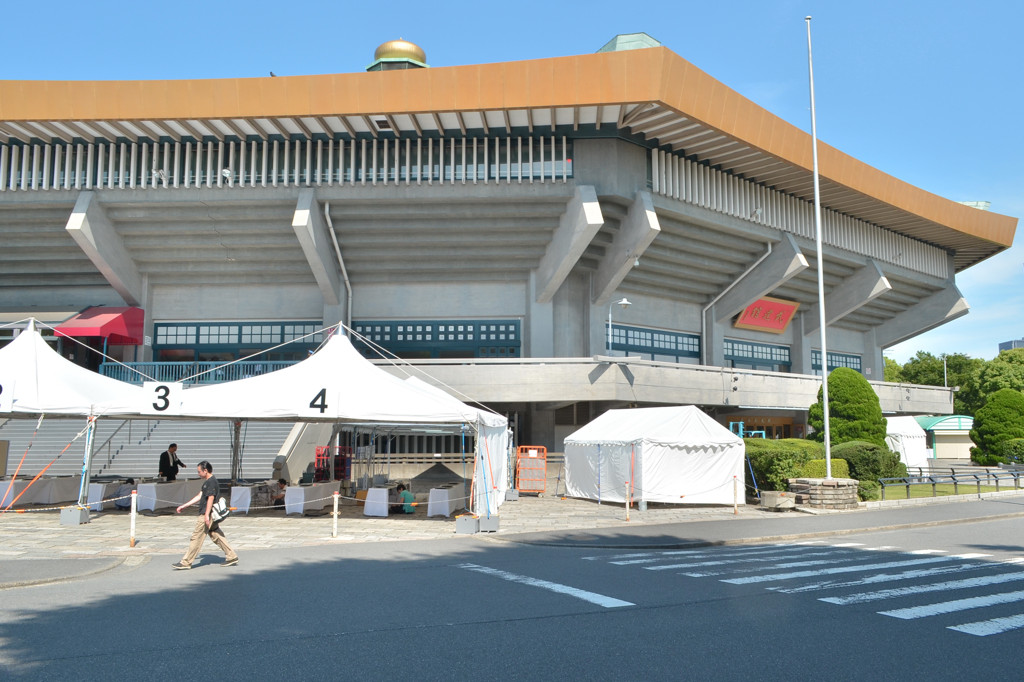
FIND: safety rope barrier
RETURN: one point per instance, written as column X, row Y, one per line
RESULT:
column 31, row 482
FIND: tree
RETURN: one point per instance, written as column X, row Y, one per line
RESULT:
column 1000, row 419
column 893, row 371
column 1005, row 371
column 853, row 409
column 960, row 372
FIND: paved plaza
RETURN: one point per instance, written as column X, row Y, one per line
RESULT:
column 39, row 534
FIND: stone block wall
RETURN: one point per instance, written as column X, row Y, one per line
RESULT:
column 834, row 493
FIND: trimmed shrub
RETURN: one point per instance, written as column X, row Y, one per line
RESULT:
column 870, row 462
column 987, row 460
column 869, row 490
column 774, row 461
column 853, row 409
column 816, row 469
column 1000, row 419
column 1011, row 450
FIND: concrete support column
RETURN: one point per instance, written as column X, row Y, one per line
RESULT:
column 714, row 338
column 538, row 332
column 800, row 349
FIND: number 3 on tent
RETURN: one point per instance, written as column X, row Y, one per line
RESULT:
column 320, row 401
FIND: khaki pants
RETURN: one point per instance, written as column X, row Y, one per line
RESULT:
column 199, row 533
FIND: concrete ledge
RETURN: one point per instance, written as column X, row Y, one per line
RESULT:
column 941, row 499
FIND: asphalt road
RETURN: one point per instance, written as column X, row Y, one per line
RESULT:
column 797, row 609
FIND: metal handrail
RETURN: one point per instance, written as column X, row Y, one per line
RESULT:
column 190, row 372
column 107, row 442
column 988, row 477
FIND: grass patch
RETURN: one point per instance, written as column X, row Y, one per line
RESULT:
column 899, row 492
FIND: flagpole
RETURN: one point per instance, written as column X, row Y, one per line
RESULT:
column 821, row 278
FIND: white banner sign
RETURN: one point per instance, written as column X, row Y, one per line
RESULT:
column 161, row 397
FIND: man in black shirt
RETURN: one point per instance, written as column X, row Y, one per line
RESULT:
column 169, row 462
column 204, row 526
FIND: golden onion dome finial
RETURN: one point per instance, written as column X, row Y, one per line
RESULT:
column 400, row 49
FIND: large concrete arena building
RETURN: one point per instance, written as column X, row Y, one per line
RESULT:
column 487, row 223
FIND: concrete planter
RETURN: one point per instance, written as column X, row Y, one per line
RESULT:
column 777, row 499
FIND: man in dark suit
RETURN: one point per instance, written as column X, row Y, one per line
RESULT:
column 169, row 462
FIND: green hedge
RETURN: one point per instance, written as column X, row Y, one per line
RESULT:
column 869, row 490
column 1011, row 450
column 868, row 461
column 774, row 461
column 816, row 469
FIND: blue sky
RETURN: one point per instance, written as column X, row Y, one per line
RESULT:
column 928, row 92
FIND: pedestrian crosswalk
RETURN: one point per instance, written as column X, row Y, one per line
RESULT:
column 901, row 584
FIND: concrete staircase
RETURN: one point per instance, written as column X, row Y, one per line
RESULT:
column 132, row 447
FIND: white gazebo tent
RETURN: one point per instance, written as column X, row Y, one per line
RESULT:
column 677, row 455
column 338, row 385
column 905, row 436
column 36, row 380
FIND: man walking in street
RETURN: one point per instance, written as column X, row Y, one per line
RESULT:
column 204, row 526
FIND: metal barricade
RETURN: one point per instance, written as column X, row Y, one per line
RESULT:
column 531, row 468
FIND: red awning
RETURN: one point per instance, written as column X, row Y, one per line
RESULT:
column 120, row 326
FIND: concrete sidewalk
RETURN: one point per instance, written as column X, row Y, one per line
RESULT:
column 548, row 520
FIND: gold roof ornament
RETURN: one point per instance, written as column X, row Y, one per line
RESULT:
column 399, row 54
column 401, row 49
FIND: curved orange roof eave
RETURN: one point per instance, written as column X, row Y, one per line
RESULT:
column 610, row 78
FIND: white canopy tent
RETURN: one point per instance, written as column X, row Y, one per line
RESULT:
column 336, row 384
column 677, row 455
column 35, row 379
column 905, row 436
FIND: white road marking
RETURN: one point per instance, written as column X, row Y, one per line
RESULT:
column 881, row 578
column 744, row 558
column 994, row 626
column 769, row 567
column 964, row 584
column 955, row 605
column 829, row 571
column 717, row 554
column 592, row 597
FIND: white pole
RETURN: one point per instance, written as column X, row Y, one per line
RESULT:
column 131, row 538
column 610, row 328
column 735, row 496
column 334, row 532
column 821, row 278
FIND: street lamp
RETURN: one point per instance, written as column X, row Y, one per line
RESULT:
column 625, row 303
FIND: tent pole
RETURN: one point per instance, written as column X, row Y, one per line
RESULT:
column 83, row 488
column 465, row 487
column 236, row 446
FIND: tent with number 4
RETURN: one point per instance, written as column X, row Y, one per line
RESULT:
column 677, row 455
column 337, row 384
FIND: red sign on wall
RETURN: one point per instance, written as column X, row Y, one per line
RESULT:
column 768, row 314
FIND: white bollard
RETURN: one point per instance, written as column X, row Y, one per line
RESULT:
column 334, row 533
column 131, row 540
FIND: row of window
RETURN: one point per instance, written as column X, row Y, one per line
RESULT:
column 654, row 344
column 440, row 338
column 211, row 341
